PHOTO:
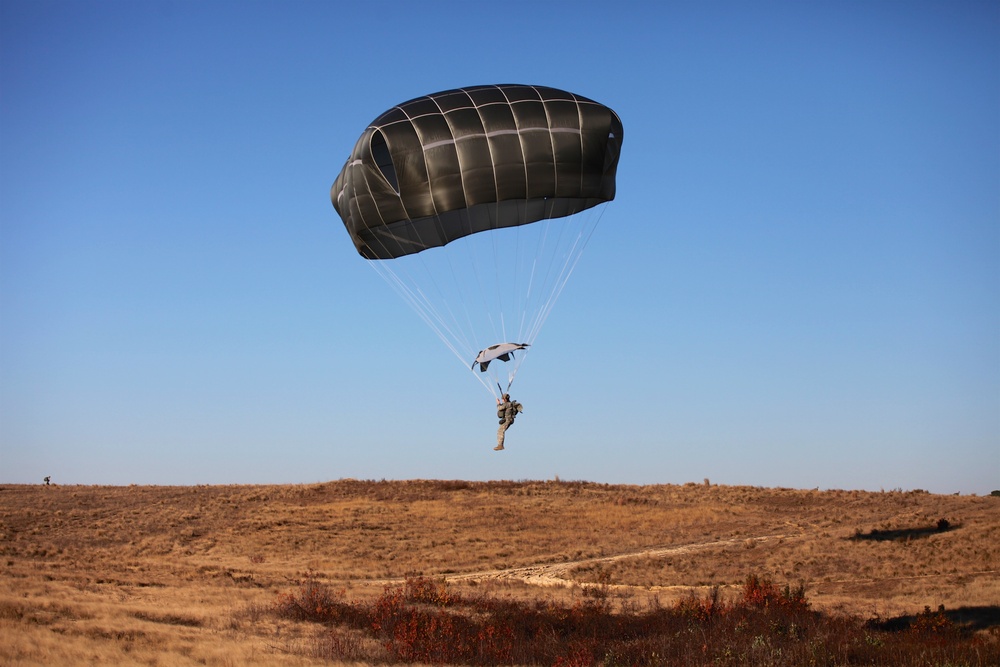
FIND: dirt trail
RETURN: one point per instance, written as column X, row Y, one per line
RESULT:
column 550, row 575
column 556, row 574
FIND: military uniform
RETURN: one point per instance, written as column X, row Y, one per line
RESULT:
column 506, row 411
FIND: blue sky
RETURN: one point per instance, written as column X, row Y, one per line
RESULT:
column 798, row 284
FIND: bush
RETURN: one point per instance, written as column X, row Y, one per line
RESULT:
column 314, row 601
column 762, row 593
column 423, row 621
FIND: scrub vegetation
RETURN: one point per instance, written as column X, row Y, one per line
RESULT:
column 422, row 621
column 531, row 572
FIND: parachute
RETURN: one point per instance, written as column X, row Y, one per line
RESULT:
column 475, row 205
column 501, row 351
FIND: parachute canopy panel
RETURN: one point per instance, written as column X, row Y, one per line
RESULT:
column 501, row 351
column 458, row 162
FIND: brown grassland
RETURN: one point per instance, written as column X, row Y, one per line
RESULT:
column 97, row 575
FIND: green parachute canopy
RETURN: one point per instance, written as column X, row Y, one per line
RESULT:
column 443, row 166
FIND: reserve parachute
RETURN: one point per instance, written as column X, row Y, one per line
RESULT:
column 475, row 205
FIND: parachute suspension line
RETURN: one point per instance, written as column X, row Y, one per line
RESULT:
column 528, row 278
column 482, row 251
column 487, row 385
column 434, row 309
column 441, row 288
column 456, row 329
column 552, row 281
column 446, row 323
column 457, row 279
column 563, row 277
column 418, row 301
column 528, row 240
column 529, row 293
column 467, row 261
column 437, row 309
column 572, row 258
column 507, row 301
column 448, row 305
column 503, row 287
column 413, row 297
column 500, row 333
column 553, row 249
column 514, row 288
column 544, row 257
column 407, row 286
column 519, row 304
column 530, row 245
column 491, row 303
column 528, row 275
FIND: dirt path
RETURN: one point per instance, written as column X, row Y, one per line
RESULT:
column 557, row 574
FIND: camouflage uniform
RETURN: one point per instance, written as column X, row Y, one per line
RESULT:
column 506, row 411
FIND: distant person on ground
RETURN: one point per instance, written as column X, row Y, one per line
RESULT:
column 506, row 410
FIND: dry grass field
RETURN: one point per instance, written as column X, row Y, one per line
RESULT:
column 95, row 575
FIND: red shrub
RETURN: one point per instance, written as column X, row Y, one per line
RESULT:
column 761, row 593
column 421, row 621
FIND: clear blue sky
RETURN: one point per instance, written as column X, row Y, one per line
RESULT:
column 798, row 284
